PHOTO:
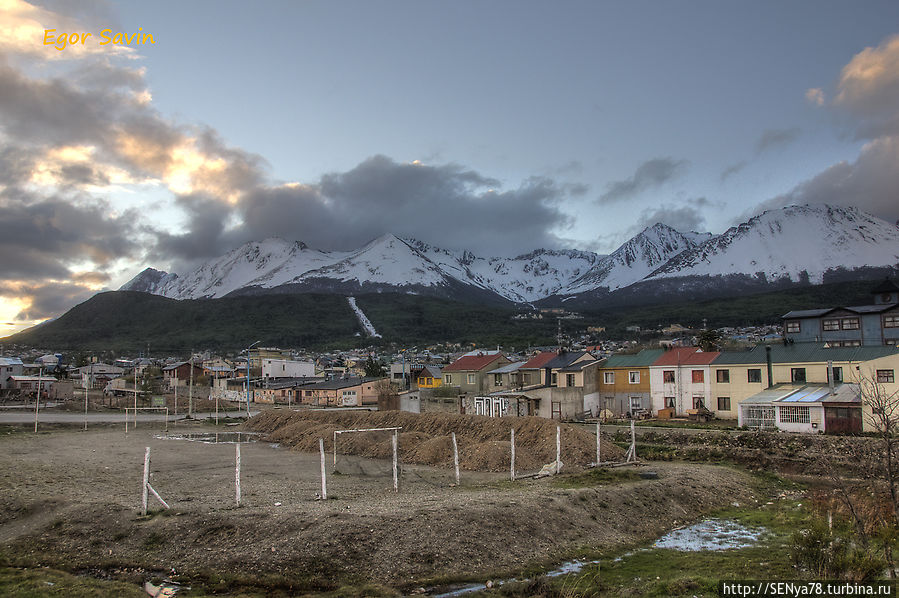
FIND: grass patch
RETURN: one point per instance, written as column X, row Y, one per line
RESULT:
column 51, row 582
column 597, row 477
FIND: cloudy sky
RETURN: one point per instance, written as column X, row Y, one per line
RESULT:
column 496, row 126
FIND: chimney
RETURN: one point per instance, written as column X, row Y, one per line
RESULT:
column 770, row 369
column 830, row 377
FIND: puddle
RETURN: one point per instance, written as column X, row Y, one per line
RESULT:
column 215, row 437
column 711, row 534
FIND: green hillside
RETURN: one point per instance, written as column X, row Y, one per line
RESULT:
column 129, row 321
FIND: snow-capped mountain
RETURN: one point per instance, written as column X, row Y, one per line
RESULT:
column 635, row 260
column 790, row 245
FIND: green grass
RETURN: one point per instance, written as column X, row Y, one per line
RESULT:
column 39, row 582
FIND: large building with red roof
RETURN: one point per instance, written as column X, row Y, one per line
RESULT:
column 681, row 379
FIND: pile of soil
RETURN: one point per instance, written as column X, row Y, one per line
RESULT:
column 425, row 439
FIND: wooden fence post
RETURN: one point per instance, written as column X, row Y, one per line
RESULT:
column 456, row 457
column 396, row 485
column 321, row 450
column 558, row 449
column 512, row 463
column 237, row 473
column 597, row 444
column 143, row 490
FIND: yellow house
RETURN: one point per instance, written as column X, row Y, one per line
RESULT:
column 738, row 375
column 429, row 377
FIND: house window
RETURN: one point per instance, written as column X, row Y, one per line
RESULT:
column 669, row 402
column 636, row 404
column 754, row 375
column 429, row 381
column 850, row 323
column 830, row 325
column 633, row 377
column 668, row 376
column 885, row 376
column 837, row 374
column 797, row 374
column 793, row 326
column 471, row 378
column 723, row 376
column 608, row 377
column 526, row 379
column 723, row 403
column 794, row 414
column 891, row 321
column 698, row 377
column 447, row 379
column 497, row 379
column 554, row 379
column 698, row 402
column 569, row 379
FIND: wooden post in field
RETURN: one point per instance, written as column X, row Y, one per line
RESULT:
column 321, row 451
column 335, row 449
column 633, row 443
column 558, row 449
column 176, row 393
column 37, row 403
column 237, row 473
column 597, row 444
column 456, row 457
column 144, row 488
column 85, row 406
column 135, row 399
column 396, row 484
column 512, row 462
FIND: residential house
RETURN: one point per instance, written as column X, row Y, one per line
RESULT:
column 341, row 392
column 178, row 374
column 873, row 324
column 738, row 375
column 10, row 366
column 30, row 384
column 286, row 368
column 624, row 382
column 534, row 372
column 680, row 380
column 469, row 372
column 809, row 408
column 429, row 376
column 97, row 375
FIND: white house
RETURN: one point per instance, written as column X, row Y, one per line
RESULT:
column 681, row 380
column 286, row 368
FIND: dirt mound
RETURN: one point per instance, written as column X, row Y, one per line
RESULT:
column 425, row 439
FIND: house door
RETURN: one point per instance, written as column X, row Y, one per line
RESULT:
column 842, row 420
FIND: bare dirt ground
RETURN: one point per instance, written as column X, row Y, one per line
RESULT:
column 71, row 499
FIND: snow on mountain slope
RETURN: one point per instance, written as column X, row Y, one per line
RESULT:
column 524, row 278
column 149, row 280
column 634, row 260
column 235, row 270
column 386, row 260
column 792, row 241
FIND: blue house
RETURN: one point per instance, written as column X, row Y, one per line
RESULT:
column 853, row 326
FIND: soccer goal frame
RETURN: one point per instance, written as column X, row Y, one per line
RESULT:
column 394, row 440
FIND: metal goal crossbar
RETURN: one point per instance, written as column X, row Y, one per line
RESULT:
column 136, row 409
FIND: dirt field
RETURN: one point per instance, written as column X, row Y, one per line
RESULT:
column 71, row 500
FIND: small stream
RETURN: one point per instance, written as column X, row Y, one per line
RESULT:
column 709, row 534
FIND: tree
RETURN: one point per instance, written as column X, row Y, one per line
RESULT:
column 709, row 340
column 374, row 369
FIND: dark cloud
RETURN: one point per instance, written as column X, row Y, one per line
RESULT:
column 46, row 299
column 652, row 173
column 772, row 138
column 869, row 183
column 732, row 170
column 684, row 217
column 442, row 204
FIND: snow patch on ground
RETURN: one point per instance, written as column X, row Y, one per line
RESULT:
column 363, row 319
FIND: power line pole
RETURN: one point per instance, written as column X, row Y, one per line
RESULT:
column 190, row 392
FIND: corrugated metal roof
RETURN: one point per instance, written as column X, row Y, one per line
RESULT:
column 804, row 353
column 539, row 360
column 806, row 313
column 644, row 358
column 564, row 360
column 508, row 368
column 576, row 367
column 805, row 393
column 686, row 356
column 472, row 363
column 10, row 361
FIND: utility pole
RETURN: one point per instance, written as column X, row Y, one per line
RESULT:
column 190, row 392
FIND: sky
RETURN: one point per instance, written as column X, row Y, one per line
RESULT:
column 498, row 127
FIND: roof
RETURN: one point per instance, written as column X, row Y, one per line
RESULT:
column 430, row 370
column 887, row 286
column 8, row 361
column 470, row 363
column 339, row 383
column 578, row 366
column 806, row 313
column 32, row 378
column 539, row 360
column 805, row 394
column 508, row 368
column 644, row 358
column 805, row 353
column 686, row 356
column 563, row 360
column 858, row 309
column 175, row 366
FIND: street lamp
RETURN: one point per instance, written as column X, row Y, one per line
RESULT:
column 248, row 375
